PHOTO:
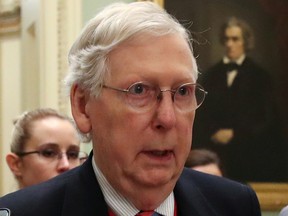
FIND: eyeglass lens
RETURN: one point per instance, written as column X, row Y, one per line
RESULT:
column 187, row 96
column 52, row 151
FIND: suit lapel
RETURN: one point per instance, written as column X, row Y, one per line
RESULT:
column 83, row 195
column 190, row 200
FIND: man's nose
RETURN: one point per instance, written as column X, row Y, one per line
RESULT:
column 165, row 113
column 229, row 42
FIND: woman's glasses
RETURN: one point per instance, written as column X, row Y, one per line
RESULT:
column 53, row 152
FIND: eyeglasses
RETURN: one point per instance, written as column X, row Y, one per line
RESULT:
column 52, row 154
column 143, row 95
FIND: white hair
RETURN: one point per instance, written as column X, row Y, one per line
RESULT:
column 115, row 24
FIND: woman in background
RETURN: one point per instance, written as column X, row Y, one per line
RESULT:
column 44, row 144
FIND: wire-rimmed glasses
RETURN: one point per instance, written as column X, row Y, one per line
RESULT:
column 143, row 95
column 51, row 154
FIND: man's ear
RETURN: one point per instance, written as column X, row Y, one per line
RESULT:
column 14, row 163
column 79, row 100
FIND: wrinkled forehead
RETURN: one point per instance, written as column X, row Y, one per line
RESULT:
column 148, row 40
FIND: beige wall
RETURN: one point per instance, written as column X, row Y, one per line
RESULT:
column 31, row 70
column 10, row 65
column 90, row 7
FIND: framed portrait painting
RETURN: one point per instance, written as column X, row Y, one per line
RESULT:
column 257, row 150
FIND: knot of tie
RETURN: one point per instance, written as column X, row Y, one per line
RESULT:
column 148, row 213
column 231, row 66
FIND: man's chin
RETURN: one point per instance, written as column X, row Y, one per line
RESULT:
column 158, row 179
column 232, row 57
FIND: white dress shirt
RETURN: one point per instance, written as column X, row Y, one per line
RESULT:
column 120, row 205
column 232, row 74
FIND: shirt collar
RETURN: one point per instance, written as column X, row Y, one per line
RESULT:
column 122, row 206
column 239, row 61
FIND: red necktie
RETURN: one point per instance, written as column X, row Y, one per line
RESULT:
column 149, row 213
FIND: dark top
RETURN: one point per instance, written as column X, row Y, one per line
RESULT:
column 249, row 108
column 77, row 192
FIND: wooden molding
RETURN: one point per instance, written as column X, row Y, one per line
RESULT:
column 159, row 2
column 10, row 21
column 272, row 196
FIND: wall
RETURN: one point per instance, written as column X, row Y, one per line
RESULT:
column 10, row 65
column 90, row 7
column 32, row 65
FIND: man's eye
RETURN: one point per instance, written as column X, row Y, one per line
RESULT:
column 235, row 39
column 49, row 153
column 139, row 88
column 184, row 90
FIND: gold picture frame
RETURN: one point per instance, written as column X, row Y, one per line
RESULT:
column 10, row 21
column 159, row 2
column 272, row 196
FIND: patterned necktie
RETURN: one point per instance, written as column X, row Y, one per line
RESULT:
column 148, row 213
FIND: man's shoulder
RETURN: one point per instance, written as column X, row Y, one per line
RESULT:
column 253, row 67
column 220, row 195
column 216, row 67
column 204, row 181
column 213, row 72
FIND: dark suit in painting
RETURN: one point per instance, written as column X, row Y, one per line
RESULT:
column 248, row 107
column 77, row 192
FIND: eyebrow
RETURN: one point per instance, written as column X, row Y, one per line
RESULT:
column 233, row 38
column 55, row 145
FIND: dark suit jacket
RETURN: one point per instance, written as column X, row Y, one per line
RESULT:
column 249, row 108
column 77, row 193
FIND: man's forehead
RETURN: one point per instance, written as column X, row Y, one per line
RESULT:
column 233, row 31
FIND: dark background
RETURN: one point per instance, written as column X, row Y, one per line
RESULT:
column 268, row 19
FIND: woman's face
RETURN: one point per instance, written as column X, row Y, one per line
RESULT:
column 49, row 135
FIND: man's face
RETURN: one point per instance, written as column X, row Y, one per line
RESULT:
column 143, row 148
column 234, row 43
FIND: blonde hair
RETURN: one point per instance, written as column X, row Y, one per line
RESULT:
column 23, row 124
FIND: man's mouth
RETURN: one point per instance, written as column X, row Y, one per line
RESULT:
column 159, row 153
